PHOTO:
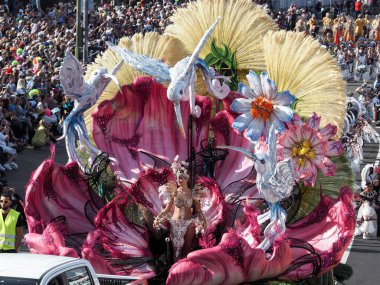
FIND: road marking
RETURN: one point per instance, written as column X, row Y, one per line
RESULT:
column 347, row 252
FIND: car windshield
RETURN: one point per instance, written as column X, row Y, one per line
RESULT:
column 17, row 281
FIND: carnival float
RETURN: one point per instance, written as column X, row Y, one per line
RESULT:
column 210, row 154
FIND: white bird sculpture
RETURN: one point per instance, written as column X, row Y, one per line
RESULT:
column 274, row 181
column 84, row 94
column 182, row 76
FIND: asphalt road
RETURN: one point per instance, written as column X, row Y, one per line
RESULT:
column 364, row 255
column 28, row 161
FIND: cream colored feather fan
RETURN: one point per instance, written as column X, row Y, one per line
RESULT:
column 165, row 48
column 241, row 27
column 297, row 63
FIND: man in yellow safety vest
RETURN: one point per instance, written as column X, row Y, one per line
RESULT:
column 11, row 224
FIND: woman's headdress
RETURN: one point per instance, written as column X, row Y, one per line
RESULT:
column 180, row 168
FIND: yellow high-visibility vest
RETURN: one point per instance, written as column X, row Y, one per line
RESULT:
column 8, row 230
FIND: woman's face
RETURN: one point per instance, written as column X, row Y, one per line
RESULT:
column 368, row 188
column 182, row 181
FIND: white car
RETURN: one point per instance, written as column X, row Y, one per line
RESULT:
column 39, row 269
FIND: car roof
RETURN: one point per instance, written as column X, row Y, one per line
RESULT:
column 31, row 266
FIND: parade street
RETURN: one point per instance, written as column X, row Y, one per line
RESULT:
column 363, row 255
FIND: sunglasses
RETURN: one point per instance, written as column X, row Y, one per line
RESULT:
column 5, row 201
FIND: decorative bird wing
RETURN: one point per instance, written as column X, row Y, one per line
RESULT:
column 282, row 180
column 142, row 63
column 71, row 75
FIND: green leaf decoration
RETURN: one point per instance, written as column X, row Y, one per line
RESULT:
column 224, row 62
column 233, row 61
column 293, row 106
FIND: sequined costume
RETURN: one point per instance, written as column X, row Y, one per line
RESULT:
column 367, row 217
column 178, row 226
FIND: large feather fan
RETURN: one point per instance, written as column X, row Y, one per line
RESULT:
column 165, row 48
column 299, row 64
column 241, row 27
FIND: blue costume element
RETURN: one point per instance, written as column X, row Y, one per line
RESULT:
column 274, row 181
column 182, row 76
column 84, row 94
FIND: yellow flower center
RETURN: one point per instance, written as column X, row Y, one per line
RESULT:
column 261, row 108
column 303, row 152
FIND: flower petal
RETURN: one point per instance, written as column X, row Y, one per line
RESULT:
column 304, row 171
column 255, row 83
column 225, row 135
column 242, row 122
column 245, row 91
column 296, row 120
column 241, row 105
column 295, row 133
column 328, row 131
column 268, row 86
column 283, row 113
column 324, row 164
column 307, row 172
column 284, row 153
column 310, row 181
column 321, row 148
column 315, row 139
column 279, row 125
column 313, row 121
column 141, row 117
column 284, row 98
column 334, row 148
column 285, row 140
column 255, row 129
column 308, row 133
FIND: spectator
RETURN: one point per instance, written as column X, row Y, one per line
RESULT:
column 43, row 135
column 11, row 224
column 359, row 26
column 358, row 8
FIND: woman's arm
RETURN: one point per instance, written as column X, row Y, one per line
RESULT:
column 163, row 215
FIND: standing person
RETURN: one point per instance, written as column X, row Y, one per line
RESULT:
column 11, row 224
column 359, row 26
column 327, row 23
column 349, row 31
column 367, row 218
column 368, row 25
column 358, row 8
column 376, row 32
column 313, row 25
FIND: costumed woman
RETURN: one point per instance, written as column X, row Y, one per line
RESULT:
column 349, row 31
column 182, row 211
column 367, row 219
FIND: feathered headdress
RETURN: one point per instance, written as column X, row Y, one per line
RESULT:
column 180, row 168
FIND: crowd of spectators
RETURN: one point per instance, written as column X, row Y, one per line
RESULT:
column 32, row 47
column 335, row 18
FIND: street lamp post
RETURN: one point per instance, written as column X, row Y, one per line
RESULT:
column 79, row 35
column 85, row 25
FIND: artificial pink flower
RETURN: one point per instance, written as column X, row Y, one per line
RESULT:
column 309, row 147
